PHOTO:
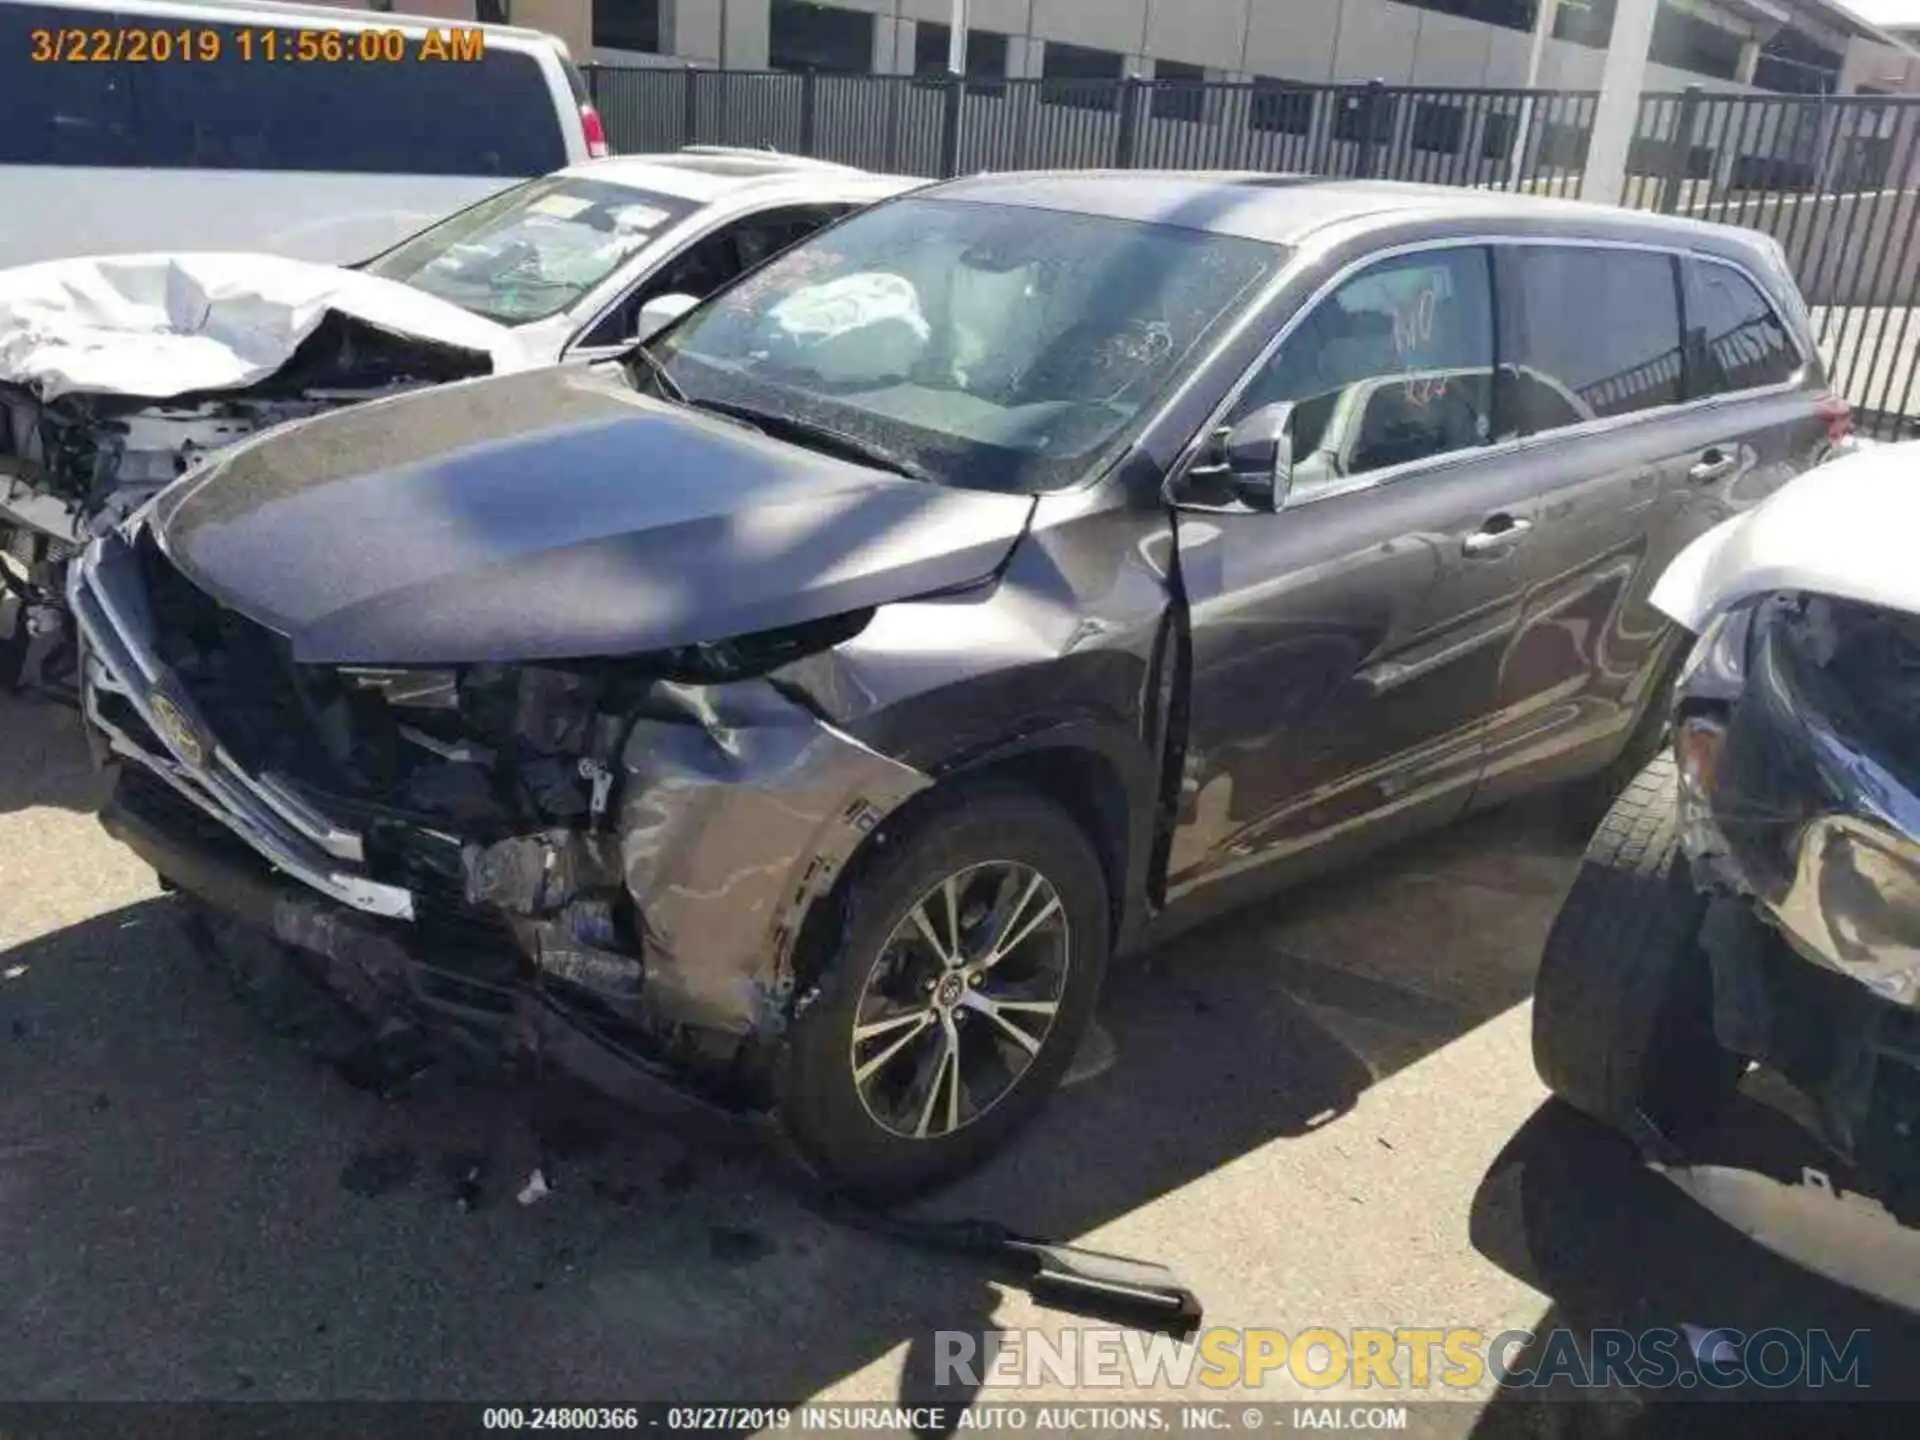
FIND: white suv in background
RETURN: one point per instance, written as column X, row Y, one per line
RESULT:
column 307, row 131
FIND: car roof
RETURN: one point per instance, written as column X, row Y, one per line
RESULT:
column 324, row 15
column 1289, row 209
column 706, row 174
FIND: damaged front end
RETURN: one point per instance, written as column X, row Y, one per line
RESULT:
column 1798, row 740
column 106, row 398
column 609, row 862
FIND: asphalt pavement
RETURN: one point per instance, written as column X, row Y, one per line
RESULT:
column 1323, row 1115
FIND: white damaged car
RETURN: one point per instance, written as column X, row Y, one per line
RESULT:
column 1748, row 915
column 118, row 373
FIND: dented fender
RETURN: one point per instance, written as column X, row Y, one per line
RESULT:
column 738, row 808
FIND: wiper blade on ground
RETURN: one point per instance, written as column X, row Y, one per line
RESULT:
column 822, row 437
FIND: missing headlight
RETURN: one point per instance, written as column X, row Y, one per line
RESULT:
column 746, row 656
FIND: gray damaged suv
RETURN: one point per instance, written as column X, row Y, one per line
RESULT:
column 804, row 711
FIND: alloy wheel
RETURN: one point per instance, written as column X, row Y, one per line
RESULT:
column 960, row 1000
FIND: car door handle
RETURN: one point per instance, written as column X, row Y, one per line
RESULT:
column 1497, row 536
column 1716, row 464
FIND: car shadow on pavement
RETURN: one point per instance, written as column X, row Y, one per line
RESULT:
column 1568, row 1208
column 43, row 756
column 199, row 1207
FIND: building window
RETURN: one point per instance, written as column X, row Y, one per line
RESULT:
column 1585, row 22
column 1687, row 42
column 1496, row 137
column 820, row 37
column 1510, row 14
column 491, row 12
column 1438, row 127
column 1280, row 107
column 1563, row 146
column 1350, row 121
column 1179, row 91
column 1794, row 65
column 986, row 56
column 1083, row 78
column 627, row 25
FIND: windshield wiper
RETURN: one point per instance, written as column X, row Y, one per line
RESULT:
column 820, row 437
column 668, row 386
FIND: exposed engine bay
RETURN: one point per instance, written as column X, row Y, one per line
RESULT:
column 606, row 841
column 1798, row 739
column 118, row 376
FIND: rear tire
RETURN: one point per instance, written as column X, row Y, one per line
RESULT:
column 1623, row 1004
column 877, row 1116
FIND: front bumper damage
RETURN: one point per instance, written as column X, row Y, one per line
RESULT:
column 1801, row 817
column 652, row 945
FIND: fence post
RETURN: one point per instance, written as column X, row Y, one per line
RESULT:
column 950, row 126
column 1681, row 161
column 1369, row 123
column 692, row 117
column 807, row 96
column 1126, row 143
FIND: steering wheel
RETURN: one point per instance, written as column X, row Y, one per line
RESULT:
column 1095, row 364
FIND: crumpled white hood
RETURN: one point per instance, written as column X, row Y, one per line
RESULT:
column 156, row 326
column 1844, row 529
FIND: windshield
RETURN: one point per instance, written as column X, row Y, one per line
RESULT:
column 531, row 251
column 990, row 346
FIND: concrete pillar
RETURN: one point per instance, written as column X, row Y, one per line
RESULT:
column 689, row 29
column 1749, row 60
column 1618, row 112
column 892, row 46
column 1025, row 56
column 744, row 32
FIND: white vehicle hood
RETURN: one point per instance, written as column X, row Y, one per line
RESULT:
column 156, row 326
column 1843, row 529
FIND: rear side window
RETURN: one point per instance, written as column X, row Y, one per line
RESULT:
column 1586, row 333
column 56, row 113
column 492, row 116
column 1739, row 341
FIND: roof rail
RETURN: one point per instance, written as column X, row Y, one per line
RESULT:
column 763, row 152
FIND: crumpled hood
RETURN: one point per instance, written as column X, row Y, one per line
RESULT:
column 156, row 326
column 556, row 514
column 1843, row 529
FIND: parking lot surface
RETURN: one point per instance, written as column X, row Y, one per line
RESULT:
column 1323, row 1114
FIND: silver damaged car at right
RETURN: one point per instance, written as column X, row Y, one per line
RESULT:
column 1752, row 901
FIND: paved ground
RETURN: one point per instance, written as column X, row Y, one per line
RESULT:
column 1324, row 1114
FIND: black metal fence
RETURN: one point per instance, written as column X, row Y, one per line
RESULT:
column 1835, row 179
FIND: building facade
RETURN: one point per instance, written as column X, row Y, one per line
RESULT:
column 1780, row 46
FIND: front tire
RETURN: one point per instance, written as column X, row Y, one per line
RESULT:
column 1623, row 1003
column 973, row 951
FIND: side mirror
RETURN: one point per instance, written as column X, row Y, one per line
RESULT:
column 660, row 312
column 1246, row 467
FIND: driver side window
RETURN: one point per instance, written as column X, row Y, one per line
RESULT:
column 1394, row 366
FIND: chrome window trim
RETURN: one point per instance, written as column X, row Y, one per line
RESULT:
column 1488, row 241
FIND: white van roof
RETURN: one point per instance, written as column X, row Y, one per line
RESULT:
column 322, row 16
